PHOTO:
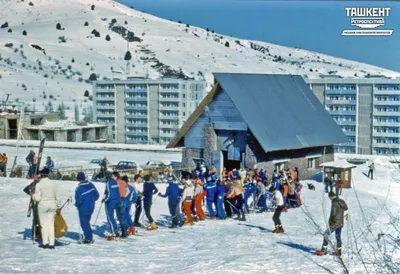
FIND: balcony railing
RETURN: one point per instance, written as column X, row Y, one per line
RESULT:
column 136, row 99
column 386, row 103
column 137, row 107
column 386, row 113
column 340, row 102
column 342, row 112
column 386, row 92
column 386, row 134
column 346, row 123
column 387, row 124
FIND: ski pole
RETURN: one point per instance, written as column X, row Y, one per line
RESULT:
column 101, row 205
column 79, row 228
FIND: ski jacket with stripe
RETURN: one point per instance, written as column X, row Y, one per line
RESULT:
column 86, row 196
column 111, row 192
column 211, row 189
column 172, row 192
column 222, row 189
column 132, row 196
column 149, row 189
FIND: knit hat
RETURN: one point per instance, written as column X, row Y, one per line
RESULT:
column 81, row 176
column 147, row 177
column 331, row 194
column 272, row 189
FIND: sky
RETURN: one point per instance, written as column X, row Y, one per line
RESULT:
column 312, row 25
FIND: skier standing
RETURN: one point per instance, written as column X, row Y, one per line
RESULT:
column 137, row 180
column 121, row 207
column 172, row 192
column 86, row 196
column 187, row 195
column 278, row 200
column 336, row 218
column 112, row 200
column 31, row 159
column 198, row 197
column 149, row 189
column 210, row 190
column 130, row 199
column 371, row 171
column 220, row 192
column 46, row 196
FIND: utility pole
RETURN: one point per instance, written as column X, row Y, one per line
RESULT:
column 5, row 102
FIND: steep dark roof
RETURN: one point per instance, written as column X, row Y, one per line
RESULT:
column 280, row 110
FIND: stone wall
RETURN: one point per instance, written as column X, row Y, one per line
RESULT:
column 187, row 157
column 210, row 143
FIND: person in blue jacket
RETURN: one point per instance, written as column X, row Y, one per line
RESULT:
column 221, row 191
column 86, row 196
column 130, row 199
column 112, row 201
column 173, row 194
column 149, row 189
column 211, row 191
column 248, row 192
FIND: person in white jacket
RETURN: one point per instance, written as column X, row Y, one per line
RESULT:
column 188, row 193
column 46, row 196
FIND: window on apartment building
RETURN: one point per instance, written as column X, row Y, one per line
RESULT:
column 183, row 95
column 183, row 113
column 184, row 104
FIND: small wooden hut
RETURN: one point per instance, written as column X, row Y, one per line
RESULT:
column 339, row 169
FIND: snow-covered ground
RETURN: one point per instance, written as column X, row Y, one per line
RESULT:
column 47, row 65
column 207, row 247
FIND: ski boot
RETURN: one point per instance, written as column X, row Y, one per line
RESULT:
column 131, row 230
column 278, row 229
column 322, row 252
column 114, row 236
column 138, row 224
column 338, row 252
column 195, row 219
column 152, row 226
column 188, row 224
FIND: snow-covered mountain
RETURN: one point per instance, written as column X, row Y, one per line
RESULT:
column 49, row 49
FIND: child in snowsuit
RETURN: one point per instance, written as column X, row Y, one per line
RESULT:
column 130, row 199
column 86, row 196
column 172, row 192
column 149, row 189
column 210, row 190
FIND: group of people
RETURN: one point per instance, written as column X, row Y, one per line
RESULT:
column 223, row 195
column 3, row 164
column 32, row 160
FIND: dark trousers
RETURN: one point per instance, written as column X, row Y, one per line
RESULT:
column 147, row 211
column 172, row 210
column 228, row 208
column 239, row 201
column 128, row 216
column 338, row 233
column 277, row 215
column 84, row 219
column 371, row 174
column 138, row 210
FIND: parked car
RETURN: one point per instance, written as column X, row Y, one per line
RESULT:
column 153, row 164
column 122, row 165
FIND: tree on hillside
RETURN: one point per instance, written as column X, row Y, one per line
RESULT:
column 92, row 7
column 86, row 24
column 128, row 56
column 24, row 33
column 227, row 44
column 58, row 26
column 76, row 111
column 61, row 110
column 108, row 38
column 92, row 77
column 86, row 94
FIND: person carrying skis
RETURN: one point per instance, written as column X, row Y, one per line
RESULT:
column 149, row 189
column 46, row 195
column 111, row 200
column 172, row 192
column 86, row 196
column 137, row 180
column 130, row 199
column 336, row 219
column 210, row 190
column 33, row 208
column 278, row 200
column 236, row 194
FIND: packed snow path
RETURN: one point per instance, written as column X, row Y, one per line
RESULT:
column 208, row 247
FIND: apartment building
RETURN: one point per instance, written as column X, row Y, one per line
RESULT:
column 368, row 111
column 146, row 111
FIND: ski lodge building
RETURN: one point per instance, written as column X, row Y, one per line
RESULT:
column 259, row 120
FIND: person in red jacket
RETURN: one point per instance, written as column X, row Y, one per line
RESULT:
column 121, row 208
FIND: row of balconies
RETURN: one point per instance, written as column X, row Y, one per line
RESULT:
column 340, row 102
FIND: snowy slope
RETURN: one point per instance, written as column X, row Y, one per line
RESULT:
column 165, row 49
column 208, row 247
